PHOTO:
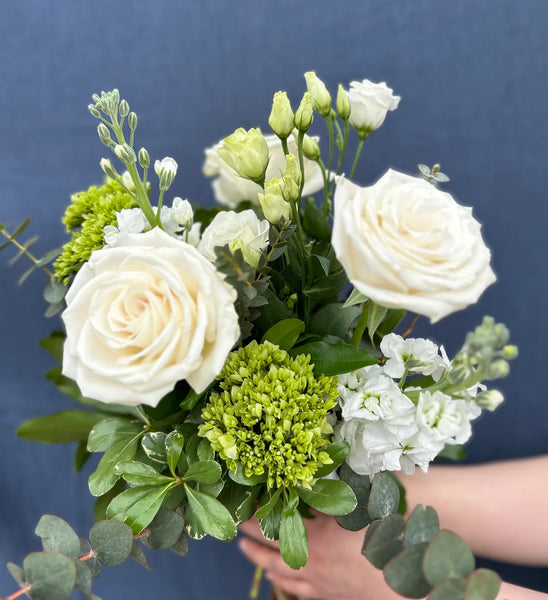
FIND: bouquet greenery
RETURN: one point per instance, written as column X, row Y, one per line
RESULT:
column 244, row 359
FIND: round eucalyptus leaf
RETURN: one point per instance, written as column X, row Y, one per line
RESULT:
column 52, row 575
column 164, row 530
column 83, row 578
column 384, row 497
column 422, row 525
column 404, row 573
column 448, row 555
column 181, row 545
column 482, row 584
column 451, row 588
column 91, row 562
column 386, row 541
column 112, row 541
column 57, row 535
column 361, row 486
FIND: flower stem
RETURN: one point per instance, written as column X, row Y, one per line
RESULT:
column 360, row 327
column 256, row 583
column 410, row 327
column 356, row 158
column 20, row 592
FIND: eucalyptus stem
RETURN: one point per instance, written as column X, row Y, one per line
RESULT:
column 28, row 254
column 356, row 158
column 360, row 327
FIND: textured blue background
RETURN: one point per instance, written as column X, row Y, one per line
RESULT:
column 473, row 77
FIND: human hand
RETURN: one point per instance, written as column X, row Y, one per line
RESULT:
column 336, row 568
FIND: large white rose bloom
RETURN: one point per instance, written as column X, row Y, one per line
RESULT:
column 142, row 316
column 406, row 244
column 230, row 189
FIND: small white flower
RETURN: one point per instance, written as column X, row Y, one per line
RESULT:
column 166, row 165
column 131, row 220
column 181, row 212
column 128, row 181
column 415, row 355
column 369, row 103
column 111, row 234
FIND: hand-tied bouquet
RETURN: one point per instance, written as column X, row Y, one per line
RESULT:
column 244, row 359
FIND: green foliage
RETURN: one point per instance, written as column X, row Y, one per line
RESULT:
column 404, row 572
column 293, row 540
column 386, row 541
column 165, row 530
column 447, row 556
column 330, row 497
column 209, row 515
column 334, row 357
column 111, row 541
column 384, row 497
column 58, row 536
column 361, row 486
column 285, row 333
column 51, row 575
column 59, row 428
column 334, row 319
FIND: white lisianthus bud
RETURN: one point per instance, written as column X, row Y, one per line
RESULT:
column 182, row 213
column 166, row 169
column 108, row 169
column 104, row 134
column 291, row 179
column 281, row 116
column 343, row 103
column 489, row 399
column 311, row 148
column 321, row 98
column 272, row 202
column 369, row 103
column 125, row 153
column 247, row 153
column 144, row 158
column 305, row 114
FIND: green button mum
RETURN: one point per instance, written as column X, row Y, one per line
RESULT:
column 271, row 415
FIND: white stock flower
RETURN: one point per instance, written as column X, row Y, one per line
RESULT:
column 230, row 189
column 142, row 316
column 243, row 230
column 406, row 244
column 415, row 355
column 181, row 212
column 166, row 165
column 369, row 103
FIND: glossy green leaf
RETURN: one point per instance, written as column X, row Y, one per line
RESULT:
column 330, row 497
column 284, row 333
column 112, row 541
column 204, row 471
column 269, row 501
column 270, row 524
column 331, row 358
column 140, row 514
column 52, row 575
column 54, row 344
column 355, row 297
column 386, row 541
column 120, row 504
column 104, row 477
column 211, row 515
column 422, row 525
column 174, row 445
column 448, row 555
column 139, row 474
column 334, row 319
column 154, row 445
column 205, row 451
column 60, row 428
column 57, row 535
column 338, row 452
column 107, row 432
column 404, row 573
column 375, row 315
column 293, row 540
column 384, row 496
column 315, row 222
column 290, row 503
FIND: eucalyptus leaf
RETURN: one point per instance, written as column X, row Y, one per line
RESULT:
column 164, row 530
column 91, row 560
column 17, row 573
column 404, row 572
column 361, row 486
column 55, row 291
column 451, row 588
column 60, row 428
column 384, row 496
column 448, row 555
column 331, row 358
column 108, row 431
column 57, row 535
column 112, row 541
column 422, row 525
column 180, row 547
column 138, row 555
column 330, row 497
column 293, row 540
column 284, row 333
column 211, row 515
column 52, row 575
column 386, row 542
column 83, row 578
column 482, row 584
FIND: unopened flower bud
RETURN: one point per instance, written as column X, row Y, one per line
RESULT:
column 304, row 114
column 281, row 116
column 125, row 153
column 343, row 103
column 104, row 134
column 509, row 352
column 166, row 169
column 497, row 369
column 94, row 111
column 123, row 109
column 132, row 121
column 247, row 153
column 273, row 203
column 321, row 98
column 489, row 399
column 311, row 148
column 108, row 169
column 292, row 178
column 182, row 213
column 144, row 158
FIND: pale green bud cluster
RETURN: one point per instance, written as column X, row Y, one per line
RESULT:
column 247, row 153
column 321, row 98
column 281, row 116
column 273, row 203
column 305, row 113
column 107, row 102
column 270, row 416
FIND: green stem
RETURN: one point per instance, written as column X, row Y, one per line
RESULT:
column 326, row 190
column 331, row 142
column 360, row 327
column 284, row 146
column 159, row 211
column 356, row 158
column 344, row 146
column 256, row 583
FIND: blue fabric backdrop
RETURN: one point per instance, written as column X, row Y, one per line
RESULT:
column 473, row 78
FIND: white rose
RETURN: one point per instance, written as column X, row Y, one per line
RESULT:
column 142, row 316
column 406, row 244
column 369, row 103
column 243, row 230
column 230, row 189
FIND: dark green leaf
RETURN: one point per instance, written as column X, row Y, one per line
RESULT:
column 140, row 474
column 482, row 584
column 360, row 484
column 57, row 535
column 91, row 560
column 104, row 477
column 270, row 524
column 448, row 589
column 102, row 503
column 83, row 578
column 121, row 503
column 211, row 515
column 386, row 541
column 335, row 358
column 138, row 555
column 355, row 297
column 164, row 530
column 205, row 451
column 140, row 514
column 284, row 333
column 52, row 575
column 81, row 456
column 334, row 319
column 327, row 287
column 107, row 432
column 338, row 451
column 174, row 445
column 452, row 452
column 324, row 263
column 384, row 496
column 404, row 573
column 242, row 479
column 192, row 398
column 375, row 315
column 245, row 510
column 112, row 541
column 330, row 497
column 59, row 428
column 54, row 344
column 181, row 545
column 393, row 318
column 315, row 222
column 422, row 525
column 293, row 540
column 268, row 502
column 204, row 471
column 448, row 555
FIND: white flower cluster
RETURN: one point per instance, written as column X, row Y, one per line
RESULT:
column 386, row 430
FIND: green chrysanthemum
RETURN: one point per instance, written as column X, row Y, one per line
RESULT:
column 271, row 415
column 91, row 210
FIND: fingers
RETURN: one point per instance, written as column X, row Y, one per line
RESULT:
column 264, row 556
